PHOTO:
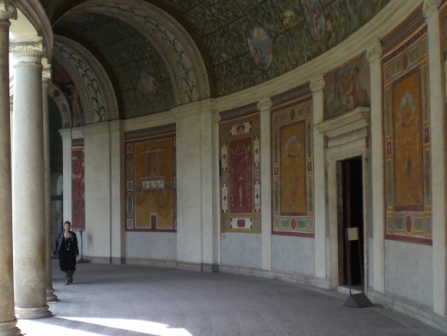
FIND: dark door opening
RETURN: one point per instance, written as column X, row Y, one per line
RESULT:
column 351, row 216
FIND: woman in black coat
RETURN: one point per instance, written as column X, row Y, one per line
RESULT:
column 66, row 245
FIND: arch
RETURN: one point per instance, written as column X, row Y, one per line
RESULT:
column 90, row 79
column 182, row 57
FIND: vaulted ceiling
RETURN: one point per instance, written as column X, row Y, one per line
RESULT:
column 194, row 49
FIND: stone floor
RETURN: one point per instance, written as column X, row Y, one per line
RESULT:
column 129, row 300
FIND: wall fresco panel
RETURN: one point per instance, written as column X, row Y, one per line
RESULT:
column 407, row 135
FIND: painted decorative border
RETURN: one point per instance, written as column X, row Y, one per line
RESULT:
column 402, row 32
column 287, row 114
column 239, row 112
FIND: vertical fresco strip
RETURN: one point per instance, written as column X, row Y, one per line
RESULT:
column 406, row 133
column 77, row 184
column 240, row 167
column 150, row 180
column 292, row 174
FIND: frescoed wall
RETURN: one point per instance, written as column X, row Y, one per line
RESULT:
column 407, row 137
column 240, row 181
column 443, row 34
column 150, row 179
column 292, row 163
column 78, row 187
column 347, row 87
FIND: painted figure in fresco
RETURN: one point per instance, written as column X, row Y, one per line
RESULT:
column 260, row 46
column 148, row 85
column 316, row 22
column 350, row 93
column 66, row 245
column 64, row 82
column 76, row 106
column 289, row 19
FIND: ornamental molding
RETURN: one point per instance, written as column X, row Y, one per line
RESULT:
column 90, row 78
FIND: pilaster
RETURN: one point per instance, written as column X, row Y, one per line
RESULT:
column 264, row 106
column 317, row 86
column 28, row 189
column 8, row 320
column 377, row 188
column 437, row 123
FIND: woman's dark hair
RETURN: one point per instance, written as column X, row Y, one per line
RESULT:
column 67, row 222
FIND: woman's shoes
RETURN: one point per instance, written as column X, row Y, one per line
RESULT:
column 70, row 280
column 67, row 282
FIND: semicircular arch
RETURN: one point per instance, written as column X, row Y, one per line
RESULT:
column 178, row 49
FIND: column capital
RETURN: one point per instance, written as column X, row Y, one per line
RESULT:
column 27, row 50
column 46, row 73
column 430, row 7
column 216, row 117
column 374, row 52
column 265, row 104
column 7, row 11
column 317, row 84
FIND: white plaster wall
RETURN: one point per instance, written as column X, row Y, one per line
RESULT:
column 189, row 197
column 151, row 245
column 293, row 254
column 241, row 249
column 97, row 192
column 409, row 271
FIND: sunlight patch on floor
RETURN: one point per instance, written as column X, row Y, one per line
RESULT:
column 152, row 328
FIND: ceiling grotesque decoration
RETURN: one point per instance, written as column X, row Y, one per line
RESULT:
column 167, row 53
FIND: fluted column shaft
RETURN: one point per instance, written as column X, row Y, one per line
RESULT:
column 27, row 181
column 7, row 318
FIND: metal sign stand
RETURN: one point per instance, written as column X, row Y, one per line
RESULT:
column 358, row 300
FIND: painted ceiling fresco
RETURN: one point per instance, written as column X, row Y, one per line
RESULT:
column 244, row 42
column 138, row 70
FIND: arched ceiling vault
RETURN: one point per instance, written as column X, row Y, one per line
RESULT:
column 195, row 49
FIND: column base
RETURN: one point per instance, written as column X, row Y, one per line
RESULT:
column 50, row 296
column 32, row 313
column 9, row 329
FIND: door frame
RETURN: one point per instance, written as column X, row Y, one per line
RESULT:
column 347, row 137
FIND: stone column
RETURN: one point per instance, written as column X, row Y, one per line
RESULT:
column 264, row 106
column 437, row 123
column 28, row 196
column 317, row 86
column 46, row 78
column 8, row 320
column 377, row 188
